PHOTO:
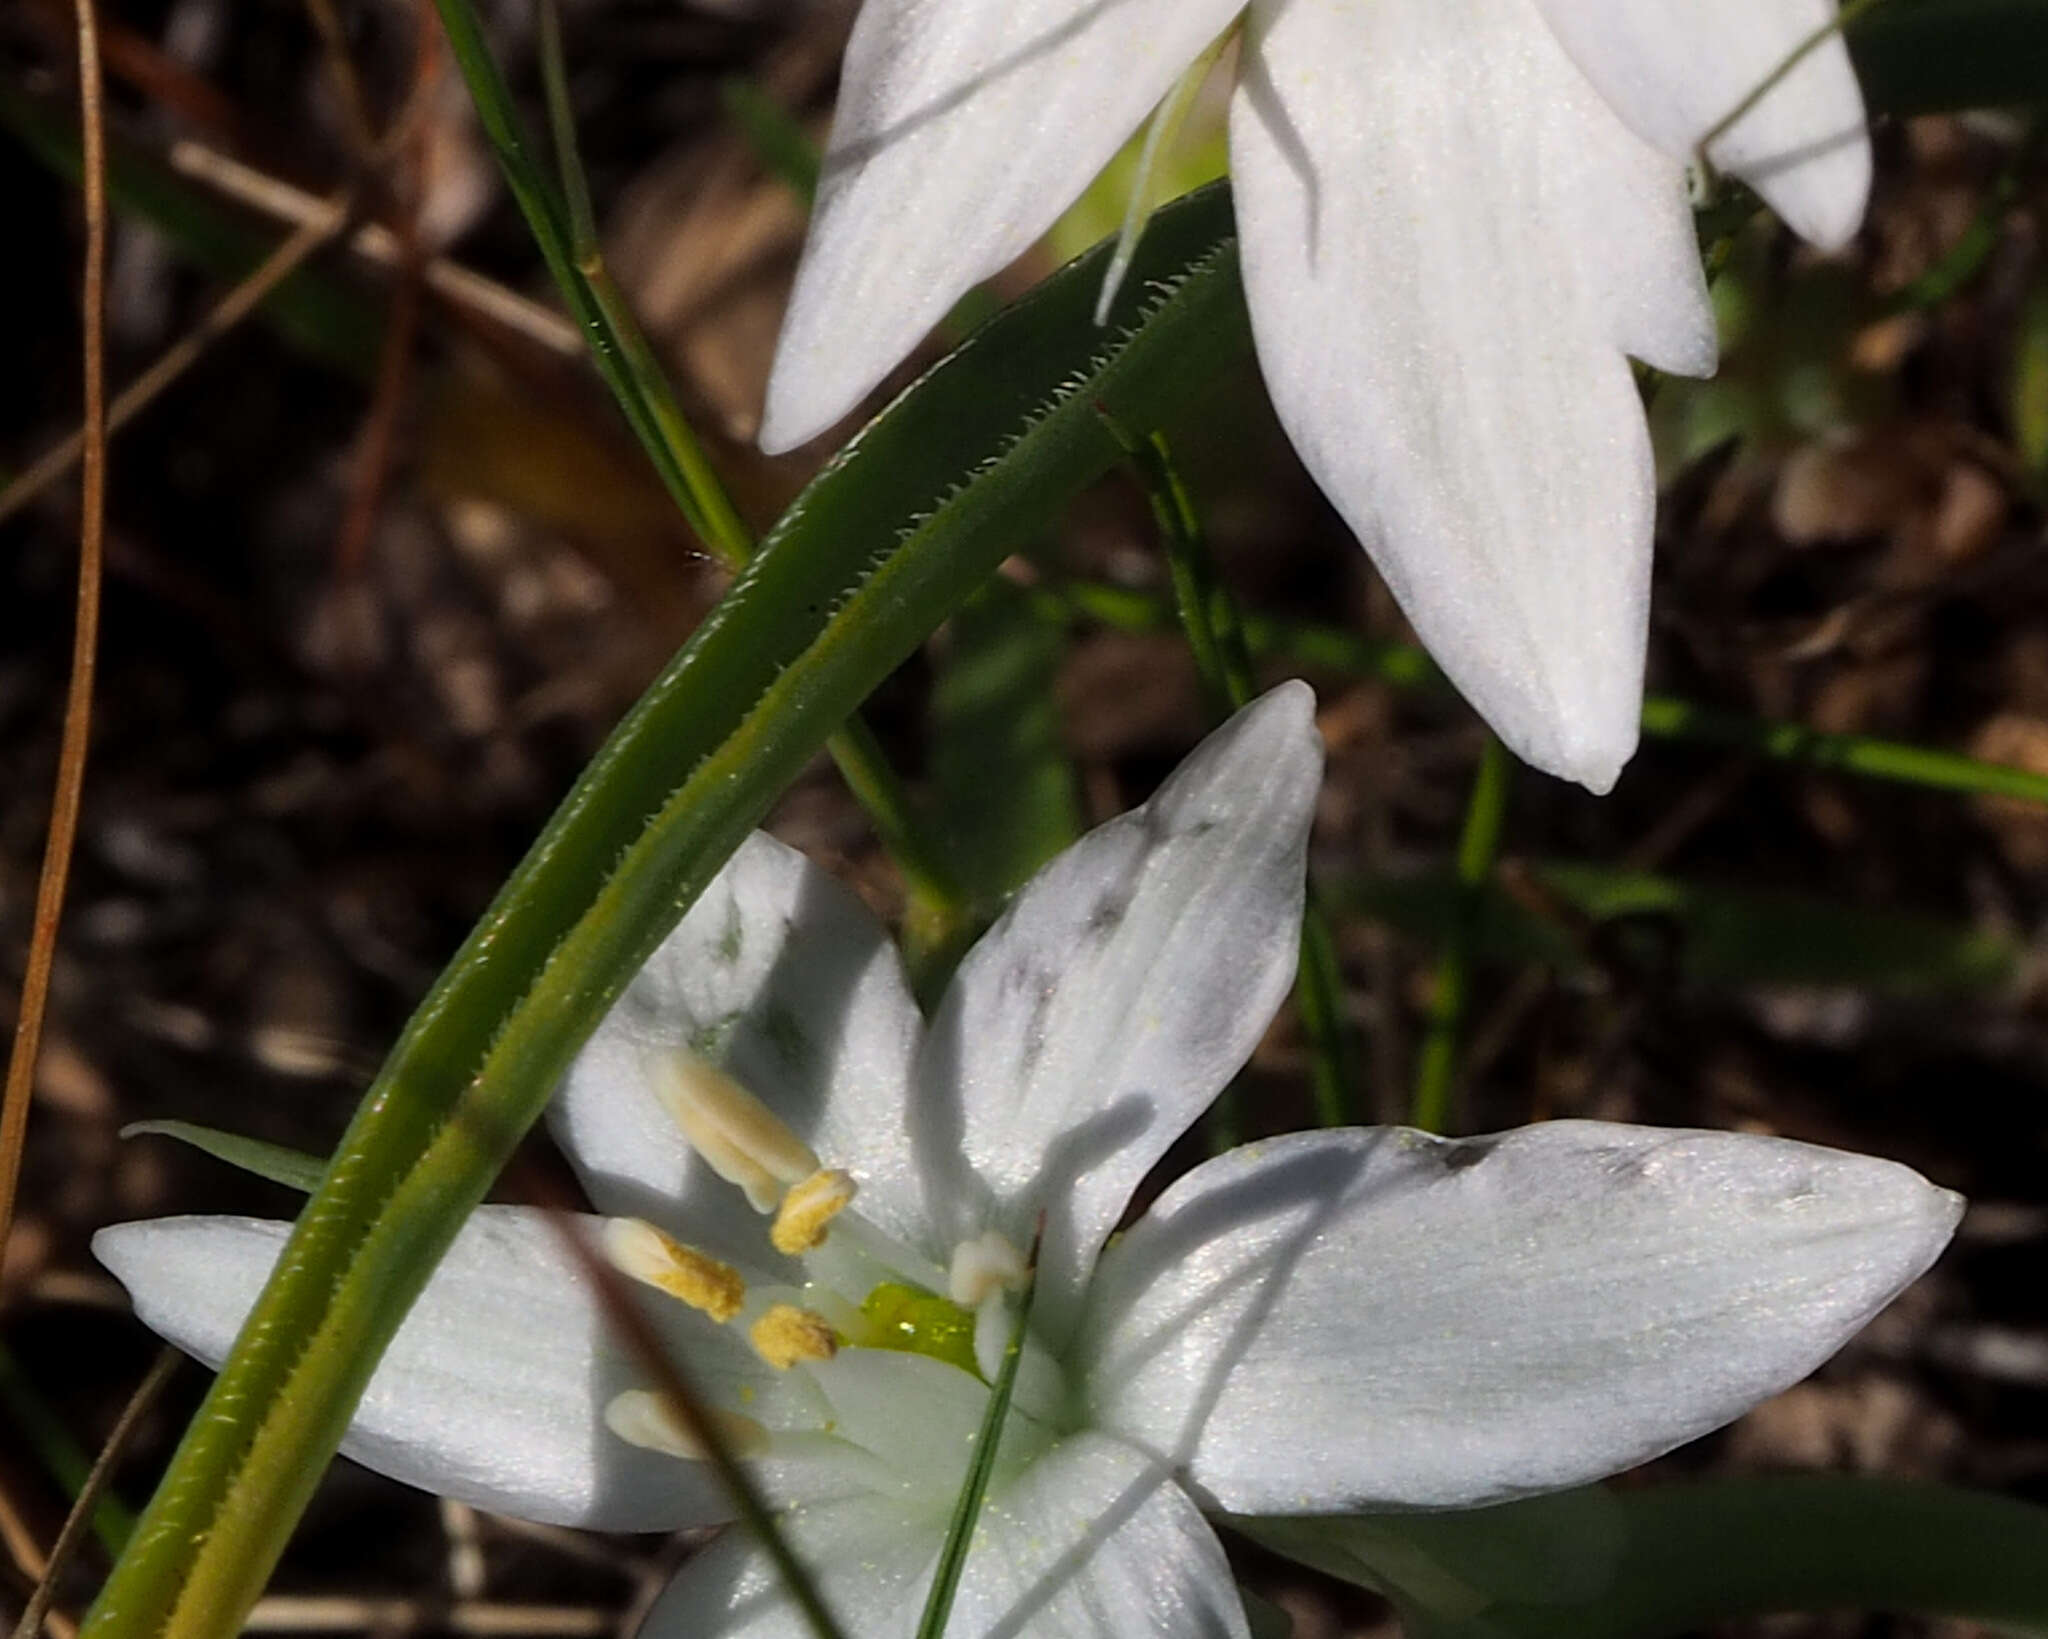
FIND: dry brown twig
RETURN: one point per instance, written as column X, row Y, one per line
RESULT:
column 321, row 226
column 56, row 869
column 376, row 244
column 404, row 148
column 357, row 126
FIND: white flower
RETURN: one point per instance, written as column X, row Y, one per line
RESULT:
column 1459, row 219
column 1330, row 1321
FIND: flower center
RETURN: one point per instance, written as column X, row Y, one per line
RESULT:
column 860, row 1288
column 913, row 1321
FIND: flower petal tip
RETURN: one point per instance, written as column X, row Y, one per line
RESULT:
column 1825, row 202
column 1906, row 1219
column 1588, row 746
column 127, row 1251
column 792, row 416
column 1288, row 708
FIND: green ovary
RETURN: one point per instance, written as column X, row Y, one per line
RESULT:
column 911, row 1320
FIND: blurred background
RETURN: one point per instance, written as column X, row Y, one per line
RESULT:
column 384, row 565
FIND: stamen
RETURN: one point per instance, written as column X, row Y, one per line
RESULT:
column 739, row 1137
column 983, row 1266
column 786, row 1334
column 637, row 1248
column 645, row 1419
column 800, row 1223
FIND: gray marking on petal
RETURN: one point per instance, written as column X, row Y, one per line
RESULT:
column 710, row 1041
column 1108, row 914
column 783, row 1032
column 731, row 940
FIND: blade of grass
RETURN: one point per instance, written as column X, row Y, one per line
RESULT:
column 1580, row 919
column 77, row 733
column 1664, row 718
column 294, row 1169
column 1478, row 846
column 1214, row 629
column 783, row 147
column 938, row 1604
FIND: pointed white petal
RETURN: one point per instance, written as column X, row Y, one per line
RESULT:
column 1378, row 1319
column 1449, row 244
column 493, row 1391
column 1125, row 985
column 1096, row 1541
column 1092, row 1541
column 962, row 133
column 780, row 977
column 1674, row 69
column 869, row 1561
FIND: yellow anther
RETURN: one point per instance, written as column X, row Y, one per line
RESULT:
column 983, row 1266
column 739, row 1137
column 643, row 1418
column 806, row 1211
column 786, row 1334
column 637, row 1248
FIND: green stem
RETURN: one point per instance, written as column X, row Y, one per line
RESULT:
column 1848, row 14
column 1215, row 631
column 1478, row 846
column 938, row 915
column 938, row 1603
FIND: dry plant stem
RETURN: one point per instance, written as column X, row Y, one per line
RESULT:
column 486, row 1619
column 79, row 1520
column 327, row 219
column 163, row 80
column 372, row 465
column 468, row 292
column 357, row 125
column 42, row 950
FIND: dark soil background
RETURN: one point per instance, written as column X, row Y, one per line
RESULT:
column 379, row 580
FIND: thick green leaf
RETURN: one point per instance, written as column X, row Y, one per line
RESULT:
column 890, row 539
column 1707, row 934
column 1673, row 1559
